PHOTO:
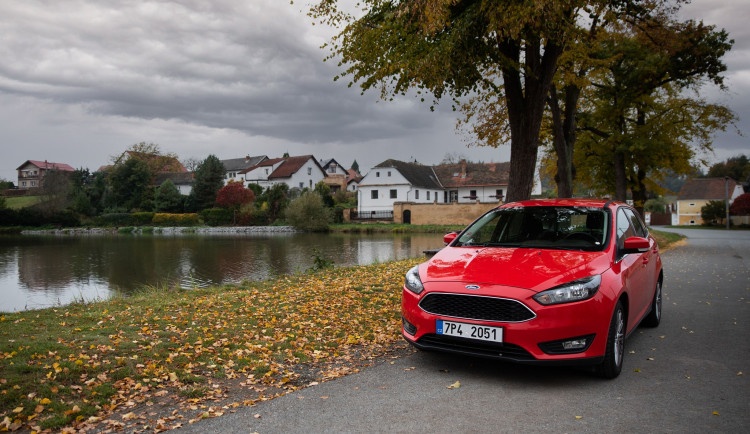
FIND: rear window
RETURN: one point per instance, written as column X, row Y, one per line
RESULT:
column 546, row 227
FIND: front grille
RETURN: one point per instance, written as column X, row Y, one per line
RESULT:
column 476, row 348
column 476, row 307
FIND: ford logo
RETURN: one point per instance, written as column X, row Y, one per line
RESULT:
column 472, row 287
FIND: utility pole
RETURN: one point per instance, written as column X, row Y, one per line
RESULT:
column 726, row 198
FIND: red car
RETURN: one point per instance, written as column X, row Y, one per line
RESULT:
column 543, row 281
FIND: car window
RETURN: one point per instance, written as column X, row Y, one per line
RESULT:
column 625, row 228
column 635, row 221
column 569, row 228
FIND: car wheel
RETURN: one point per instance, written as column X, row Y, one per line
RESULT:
column 654, row 317
column 612, row 364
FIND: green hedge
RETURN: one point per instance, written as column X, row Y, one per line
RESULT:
column 217, row 216
column 141, row 218
column 166, row 219
column 114, row 219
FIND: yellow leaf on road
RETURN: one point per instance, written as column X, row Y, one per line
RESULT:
column 455, row 385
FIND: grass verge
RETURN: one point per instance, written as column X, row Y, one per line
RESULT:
column 666, row 240
column 108, row 364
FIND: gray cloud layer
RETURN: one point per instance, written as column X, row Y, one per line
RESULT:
column 185, row 74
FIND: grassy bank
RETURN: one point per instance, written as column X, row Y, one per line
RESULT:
column 666, row 240
column 22, row 201
column 111, row 363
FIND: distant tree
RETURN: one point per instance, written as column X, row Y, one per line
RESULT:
column 233, row 196
column 168, row 198
column 273, row 201
column 324, row 191
column 355, row 166
column 129, row 182
column 209, row 178
column 55, row 191
column 3, row 204
column 308, row 213
column 5, row 184
column 191, row 164
column 737, row 168
column 741, row 205
column 714, row 211
column 257, row 189
column 152, row 156
column 657, row 205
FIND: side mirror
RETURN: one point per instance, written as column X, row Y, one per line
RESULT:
column 635, row 245
column 448, row 238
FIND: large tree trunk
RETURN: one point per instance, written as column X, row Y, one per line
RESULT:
column 526, row 108
column 564, row 137
column 621, row 177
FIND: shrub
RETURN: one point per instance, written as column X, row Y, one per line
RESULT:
column 165, row 219
column 713, row 212
column 114, row 219
column 308, row 213
column 741, row 205
column 216, row 216
column 141, row 218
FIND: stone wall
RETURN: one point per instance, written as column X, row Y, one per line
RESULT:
column 440, row 213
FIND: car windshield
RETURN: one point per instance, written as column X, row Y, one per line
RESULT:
column 545, row 227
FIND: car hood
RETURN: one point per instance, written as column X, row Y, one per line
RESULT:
column 534, row 269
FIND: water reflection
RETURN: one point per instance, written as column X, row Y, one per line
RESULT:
column 43, row 271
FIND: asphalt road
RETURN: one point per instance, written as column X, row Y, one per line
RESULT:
column 689, row 375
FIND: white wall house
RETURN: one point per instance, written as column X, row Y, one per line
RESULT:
column 296, row 172
column 396, row 181
column 234, row 166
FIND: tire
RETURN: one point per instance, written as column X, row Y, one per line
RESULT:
column 654, row 317
column 613, row 355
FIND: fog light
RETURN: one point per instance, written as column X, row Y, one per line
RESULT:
column 572, row 345
column 575, row 344
column 409, row 327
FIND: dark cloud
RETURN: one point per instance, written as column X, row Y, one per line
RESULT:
column 222, row 76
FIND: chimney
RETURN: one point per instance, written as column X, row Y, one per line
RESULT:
column 247, row 158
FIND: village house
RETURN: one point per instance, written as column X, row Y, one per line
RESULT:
column 234, row 166
column 696, row 193
column 296, row 172
column 470, row 182
column 31, row 173
column 336, row 175
column 397, row 181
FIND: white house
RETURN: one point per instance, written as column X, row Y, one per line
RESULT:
column 234, row 166
column 296, row 172
column 396, row 181
column 471, row 182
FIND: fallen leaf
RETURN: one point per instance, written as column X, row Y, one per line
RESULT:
column 579, row 417
column 455, row 385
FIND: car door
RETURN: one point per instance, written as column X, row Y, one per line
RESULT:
column 649, row 259
column 632, row 269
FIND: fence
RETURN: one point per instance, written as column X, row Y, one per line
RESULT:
column 371, row 215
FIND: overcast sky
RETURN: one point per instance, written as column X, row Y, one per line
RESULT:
column 83, row 80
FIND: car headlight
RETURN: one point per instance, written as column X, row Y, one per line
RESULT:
column 576, row 290
column 413, row 282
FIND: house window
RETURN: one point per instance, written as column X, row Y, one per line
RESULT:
column 309, row 170
column 389, row 173
column 374, row 194
column 266, row 171
column 377, row 174
column 428, row 195
column 394, row 194
column 499, row 194
column 472, row 194
column 692, row 204
column 33, row 183
column 416, row 194
column 23, row 183
column 301, row 185
column 332, row 168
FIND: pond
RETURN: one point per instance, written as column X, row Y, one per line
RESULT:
column 38, row 271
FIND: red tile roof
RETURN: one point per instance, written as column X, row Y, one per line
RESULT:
column 706, row 189
column 47, row 165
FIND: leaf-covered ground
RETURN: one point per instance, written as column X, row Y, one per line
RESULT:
column 167, row 358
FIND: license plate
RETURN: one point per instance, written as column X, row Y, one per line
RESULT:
column 469, row 331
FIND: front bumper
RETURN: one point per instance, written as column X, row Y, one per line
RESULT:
column 534, row 341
